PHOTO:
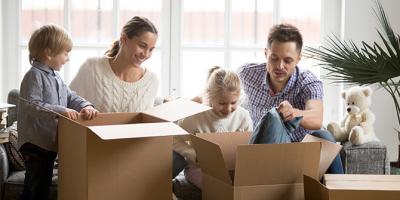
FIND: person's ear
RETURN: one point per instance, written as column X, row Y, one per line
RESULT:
column 47, row 53
column 123, row 38
column 265, row 52
column 300, row 55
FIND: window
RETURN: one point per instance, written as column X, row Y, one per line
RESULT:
column 93, row 25
column 194, row 35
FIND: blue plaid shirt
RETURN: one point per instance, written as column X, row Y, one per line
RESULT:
column 302, row 86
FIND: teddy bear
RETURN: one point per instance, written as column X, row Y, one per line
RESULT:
column 357, row 125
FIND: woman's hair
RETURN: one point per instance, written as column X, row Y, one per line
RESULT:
column 51, row 37
column 220, row 81
column 134, row 27
column 285, row 33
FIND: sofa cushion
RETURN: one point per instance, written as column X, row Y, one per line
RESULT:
column 13, row 155
column 15, row 184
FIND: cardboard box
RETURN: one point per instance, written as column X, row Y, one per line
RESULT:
column 120, row 155
column 235, row 170
column 352, row 186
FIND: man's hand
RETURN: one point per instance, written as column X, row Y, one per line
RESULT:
column 70, row 113
column 287, row 111
column 89, row 112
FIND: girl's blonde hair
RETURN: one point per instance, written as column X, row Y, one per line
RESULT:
column 51, row 37
column 220, row 81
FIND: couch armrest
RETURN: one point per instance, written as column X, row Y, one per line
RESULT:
column 4, row 167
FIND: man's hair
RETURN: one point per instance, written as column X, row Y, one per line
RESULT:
column 51, row 37
column 285, row 33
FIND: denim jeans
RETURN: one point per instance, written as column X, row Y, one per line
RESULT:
column 271, row 129
column 39, row 165
column 336, row 166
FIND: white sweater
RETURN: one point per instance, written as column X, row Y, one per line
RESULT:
column 209, row 122
column 97, row 83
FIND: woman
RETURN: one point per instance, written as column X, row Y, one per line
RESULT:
column 117, row 82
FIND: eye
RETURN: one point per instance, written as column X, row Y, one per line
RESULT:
column 352, row 103
column 288, row 61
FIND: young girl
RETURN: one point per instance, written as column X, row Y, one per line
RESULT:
column 48, row 52
column 222, row 94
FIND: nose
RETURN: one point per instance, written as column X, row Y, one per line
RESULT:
column 147, row 53
column 228, row 108
column 348, row 109
column 281, row 64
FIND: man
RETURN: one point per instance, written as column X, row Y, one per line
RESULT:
column 280, row 83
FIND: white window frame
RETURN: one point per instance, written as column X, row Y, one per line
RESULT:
column 171, row 48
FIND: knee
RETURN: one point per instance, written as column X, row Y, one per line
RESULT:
column 324, row 135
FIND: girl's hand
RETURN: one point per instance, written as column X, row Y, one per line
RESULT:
column 70, row 113
column 89, row 112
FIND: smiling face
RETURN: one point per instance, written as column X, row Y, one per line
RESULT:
column 56, row 62
column 282, row 58
column 226, row 103
column 139, row 48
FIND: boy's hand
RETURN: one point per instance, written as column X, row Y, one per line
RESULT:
column 89, row 112
column 70, row 113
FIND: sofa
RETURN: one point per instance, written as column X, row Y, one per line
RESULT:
column 11, row 179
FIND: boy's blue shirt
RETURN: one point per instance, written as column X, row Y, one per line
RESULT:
column 43, row 86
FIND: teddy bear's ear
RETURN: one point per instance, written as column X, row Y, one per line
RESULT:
column 343, row 93
column 367, row 91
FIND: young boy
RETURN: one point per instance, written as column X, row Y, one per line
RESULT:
column 42, row 87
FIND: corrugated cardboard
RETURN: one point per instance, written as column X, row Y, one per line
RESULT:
column 120, row 156
column 235, row 170
column 351, row 186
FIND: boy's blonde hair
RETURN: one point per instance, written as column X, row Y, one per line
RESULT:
column 51, row 37
column 220, row 81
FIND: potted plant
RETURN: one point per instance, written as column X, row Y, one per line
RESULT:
column 368, row 64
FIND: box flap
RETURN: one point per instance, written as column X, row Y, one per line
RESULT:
column 267, row 164
column 177, row 109
column 139, row 130
column 210, row 157
column 103, row 119
column 314, row 190
column 362, row 182
column 329, row 151
column 228, row 143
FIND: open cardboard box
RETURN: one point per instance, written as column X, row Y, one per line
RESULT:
column 235, row 170
column 353, row 186
column 120, row 156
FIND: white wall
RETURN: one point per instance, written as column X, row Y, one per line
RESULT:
column 360, row 24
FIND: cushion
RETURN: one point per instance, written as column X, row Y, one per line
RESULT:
column 13, row 155
column 368, row 158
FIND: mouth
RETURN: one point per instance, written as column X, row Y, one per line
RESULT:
column 279, row 73
column 140, row 60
